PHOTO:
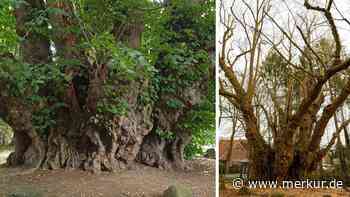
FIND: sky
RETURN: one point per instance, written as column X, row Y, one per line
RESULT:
column 280, row 11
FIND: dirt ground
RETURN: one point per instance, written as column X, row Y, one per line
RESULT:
column 141, row 182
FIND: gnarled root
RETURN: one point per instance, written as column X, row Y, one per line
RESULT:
column 163, row 153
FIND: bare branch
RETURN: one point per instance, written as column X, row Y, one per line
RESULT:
column 309, row 47
column 331, row 23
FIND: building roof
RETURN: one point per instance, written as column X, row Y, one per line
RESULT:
column 239, row 150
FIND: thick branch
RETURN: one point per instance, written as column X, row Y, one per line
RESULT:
column 324, row 151
column 229, row 96
column 328, row 112
column 315, row 92
column 231, row 76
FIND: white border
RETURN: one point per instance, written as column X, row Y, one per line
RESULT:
column 217, row 113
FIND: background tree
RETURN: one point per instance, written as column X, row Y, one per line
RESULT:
column 233, row 117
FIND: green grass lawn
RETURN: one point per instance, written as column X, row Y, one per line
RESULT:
column 230, row 177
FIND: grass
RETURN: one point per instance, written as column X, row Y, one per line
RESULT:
column 231, row 175
column 25, row 192
column 6, row 147
column 29, row 193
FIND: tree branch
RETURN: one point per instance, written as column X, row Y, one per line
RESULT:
column 327, row 113
column 336, row 134
column 309, row 46
column 330, row 19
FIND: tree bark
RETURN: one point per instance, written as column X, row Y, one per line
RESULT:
column 229, row 155
column 29, row 147
column 82, row 137
column 164, row 153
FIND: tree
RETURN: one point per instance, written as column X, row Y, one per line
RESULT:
column 292, row 94
column 228, row 114
column 95, row 84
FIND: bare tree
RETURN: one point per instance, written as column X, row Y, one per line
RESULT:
column 298, row 109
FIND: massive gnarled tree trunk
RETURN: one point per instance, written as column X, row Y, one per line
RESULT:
column 169, row 153
column 29, row 147
column 81, row 137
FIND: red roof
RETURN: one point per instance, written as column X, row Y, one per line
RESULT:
column 239, row 150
